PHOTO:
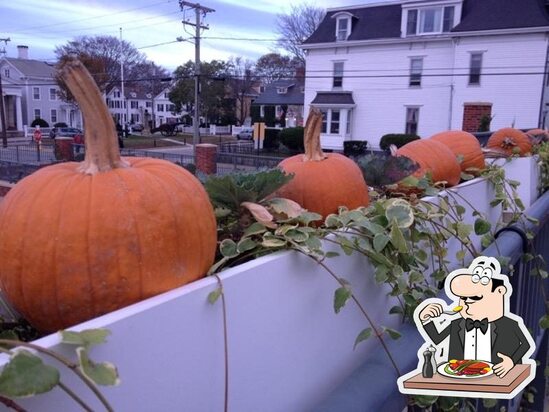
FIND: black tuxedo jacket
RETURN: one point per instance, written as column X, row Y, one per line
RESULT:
column 506, row 338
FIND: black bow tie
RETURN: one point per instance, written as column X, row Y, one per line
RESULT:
column 471, row 324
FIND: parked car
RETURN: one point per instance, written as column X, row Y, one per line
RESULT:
column 245, row 134
column 65, row 132
column 138, row 127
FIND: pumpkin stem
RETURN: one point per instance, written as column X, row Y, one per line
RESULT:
column 311, row 140
column 102, row 153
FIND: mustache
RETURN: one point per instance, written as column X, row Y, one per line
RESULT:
column 475, row 298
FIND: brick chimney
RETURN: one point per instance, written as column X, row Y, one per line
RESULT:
column 23, row 52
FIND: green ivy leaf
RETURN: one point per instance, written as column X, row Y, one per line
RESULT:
column 460, row 210
column 482, row 226
column 331, row 254
column 86, row 337
column 424, row 401
column 103, row 373
column 285, row 207
column 314, row 243
column 341, row 296
column 460, row 255
column 307, row 217
column 489, row 403
column 381, row 273
column 362, row 336
column 392, row 333
column 271, row 241
column 400, row 211
column 544, row 322
column 396, row 310
column 380, row 241
column 467, row 176
column 371, row 227
column 421, row 255
column 245, row 244
column 228, row 248
column 26, row 375
column 416, row 277
column 296, row 235
column 397, row 238
column 214, row 295
column 332, row 221
column 255, row 228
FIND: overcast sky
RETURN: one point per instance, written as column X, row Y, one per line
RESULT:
column 43, row 24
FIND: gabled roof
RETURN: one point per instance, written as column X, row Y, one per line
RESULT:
column 270, row 96
column 139, row 94
column 383, row 21
column 32, row 68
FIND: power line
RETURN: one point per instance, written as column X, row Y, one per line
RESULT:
column 34, row 28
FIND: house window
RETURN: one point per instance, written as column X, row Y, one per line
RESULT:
column 411, row 27
column 133, row 94
column 53, row 94
column 148, row 104
column 430, row 20
column 53, row 116
column 448, row 20
column 416, row 68
column 171, row 108
column 261, row 89
column 36, row 93
column 343, row 28
column 412, row 117
column 282, row 90
column 475, row 68
column 116, row 94
column 134, row 104
column 334, row 122
column 338, row 74
column 159, row 107
column 7, row 73
column 166, row 95
column 324, row 127
column 261, row 111
column 37, row 113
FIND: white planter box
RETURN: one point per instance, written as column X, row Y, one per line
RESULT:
column 287, row 348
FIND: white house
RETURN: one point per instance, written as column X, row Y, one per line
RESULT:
column 424, row 66
column 30, row 91
column 138, row 104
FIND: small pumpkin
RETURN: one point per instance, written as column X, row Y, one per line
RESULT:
column 433, row 157
column 510, row 141
column 464, row 145
column 322, row 182
column 82, row 239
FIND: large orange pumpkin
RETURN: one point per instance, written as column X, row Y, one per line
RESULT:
column 433, row 157
column 78, row 240
column 322, row 182
column 537, row 136
column 463, row 144
column 511, row 141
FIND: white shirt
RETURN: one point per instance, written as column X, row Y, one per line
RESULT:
column 478, row 345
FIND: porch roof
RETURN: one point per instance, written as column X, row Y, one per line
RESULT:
column 334, row 98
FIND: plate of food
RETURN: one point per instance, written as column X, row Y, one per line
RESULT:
column 465, row 369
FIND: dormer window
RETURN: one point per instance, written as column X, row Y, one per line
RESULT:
column 282, row 90
column 133, row 94
column 149, row 96
column 343, row 25
column 431, row 20
column 116, row 94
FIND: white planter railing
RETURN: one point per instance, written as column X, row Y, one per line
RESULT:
column 286, row 347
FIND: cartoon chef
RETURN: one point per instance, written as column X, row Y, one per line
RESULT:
column 484, row 330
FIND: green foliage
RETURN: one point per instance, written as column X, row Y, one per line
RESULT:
column 272, row 140
column 398, row 139
column 292, row 138
column 383, row 170
column 86, row 338
column 27, row 375
column 542, row 152
column 39, row 122
column 484, row 123
column 103, row 373
column 354, row 148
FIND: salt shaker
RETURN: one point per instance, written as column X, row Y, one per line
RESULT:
column 433, row 351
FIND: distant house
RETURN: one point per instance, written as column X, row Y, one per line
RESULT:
column 30, row 92
column 425, row 66
column 138, row 103
column 281, row 102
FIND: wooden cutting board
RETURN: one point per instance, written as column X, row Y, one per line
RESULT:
column 491, row 383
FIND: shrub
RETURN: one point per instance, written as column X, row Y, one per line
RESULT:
column 271, row 139
column 60, row 124
column 354, row 147
column 292, row 138
column 397, row 139
column 39, row 122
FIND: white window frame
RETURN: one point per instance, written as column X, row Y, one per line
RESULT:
column 438, row 24
column 53, row 116
column 53, row 92
column 116, row 94
column 343, row 129
column 160, row 107
column 416, row 73
column 282, row 90
column 343, row 34
column 37, row 114
column 134, row 104
column 337, row 80
column 34, row 93
column 7, row 73
column 262, row 111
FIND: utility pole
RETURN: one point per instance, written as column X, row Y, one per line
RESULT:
column 2, row 110
column 200, row 12
column 124, row 102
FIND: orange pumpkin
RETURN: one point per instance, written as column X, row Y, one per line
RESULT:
column 322, row 182
column 433, row 157
column 463, row 144
column 82, row 239
column 510, row 141
column 538, row 136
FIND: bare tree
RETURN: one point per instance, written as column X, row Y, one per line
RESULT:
column 273, row 66
column 295, row 27
column 240, row 80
